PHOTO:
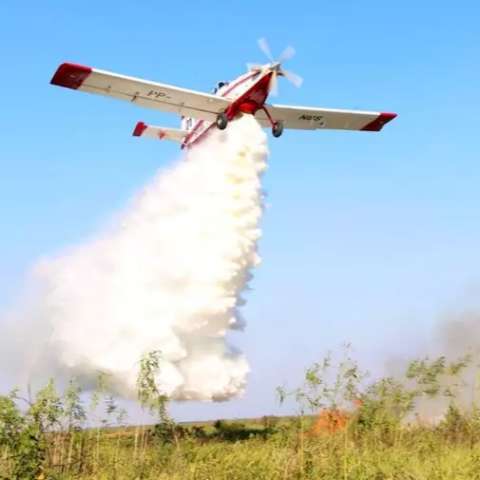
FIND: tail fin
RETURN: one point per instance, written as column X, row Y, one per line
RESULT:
column 159, row 133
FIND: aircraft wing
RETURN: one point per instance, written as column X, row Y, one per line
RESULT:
column 307, row 118
column 167, row 98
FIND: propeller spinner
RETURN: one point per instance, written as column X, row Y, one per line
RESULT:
column 275, row 66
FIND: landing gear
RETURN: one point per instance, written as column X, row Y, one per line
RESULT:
column 277, row 129
column 222, row 121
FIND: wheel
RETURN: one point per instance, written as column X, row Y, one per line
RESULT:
column 277, row 129
column 221, row 121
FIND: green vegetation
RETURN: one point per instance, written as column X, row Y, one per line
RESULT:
column 346, row 428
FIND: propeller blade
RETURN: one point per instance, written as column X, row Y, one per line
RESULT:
column 297, row 80
column 273, row 87
column 253, row 66
column 262, row 43
column 287, row 54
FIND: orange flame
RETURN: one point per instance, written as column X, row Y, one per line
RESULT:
column 331, row 420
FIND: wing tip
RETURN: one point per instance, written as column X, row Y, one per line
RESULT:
column 70, row 75
column 140, row 127
column 377, row 124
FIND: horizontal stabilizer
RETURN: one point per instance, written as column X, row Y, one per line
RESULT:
column 159, row 133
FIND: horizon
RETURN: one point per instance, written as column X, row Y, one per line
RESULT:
column 367, row 238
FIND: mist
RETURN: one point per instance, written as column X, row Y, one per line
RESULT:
column 166, row 276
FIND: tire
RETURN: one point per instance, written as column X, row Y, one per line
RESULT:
column 221, row 121
column 277, row 129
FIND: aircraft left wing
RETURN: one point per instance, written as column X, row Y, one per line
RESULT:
column 167, row 98
column 307, row 118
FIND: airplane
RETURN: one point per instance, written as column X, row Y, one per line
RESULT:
column 201, row 112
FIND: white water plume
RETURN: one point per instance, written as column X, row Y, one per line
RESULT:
column 168, row 276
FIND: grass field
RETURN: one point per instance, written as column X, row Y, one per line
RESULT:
column 364, row 431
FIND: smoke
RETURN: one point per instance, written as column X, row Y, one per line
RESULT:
column 459, row 333
column 167, row 276
column 455, row 336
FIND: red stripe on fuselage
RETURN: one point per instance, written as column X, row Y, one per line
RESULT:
column 254, row 98
column 193, row 142
column 231, row 87
column 234, row 85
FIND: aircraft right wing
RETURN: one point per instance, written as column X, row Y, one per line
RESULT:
column 308, row 118
column 167, row 98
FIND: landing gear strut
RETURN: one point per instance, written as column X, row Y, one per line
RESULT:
column 222, row 121
column 277, row 129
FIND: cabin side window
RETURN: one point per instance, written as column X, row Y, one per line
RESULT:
column 187, row 123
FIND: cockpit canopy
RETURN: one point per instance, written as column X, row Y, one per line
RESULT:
column 219, row 86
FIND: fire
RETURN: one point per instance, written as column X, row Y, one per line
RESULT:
column 329, row 421
column 332, row 420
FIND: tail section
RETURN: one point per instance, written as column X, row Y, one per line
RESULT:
column 159, row 133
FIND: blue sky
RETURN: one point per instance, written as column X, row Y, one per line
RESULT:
column 367, row 238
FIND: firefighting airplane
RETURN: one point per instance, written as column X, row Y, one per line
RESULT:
column 201, row 112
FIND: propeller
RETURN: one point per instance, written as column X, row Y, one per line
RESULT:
column 287, row 54
column 293, row 78
column 273, row 87
column 264, row 47
column 275, row 66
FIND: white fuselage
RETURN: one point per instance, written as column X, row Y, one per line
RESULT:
column 231, row 90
